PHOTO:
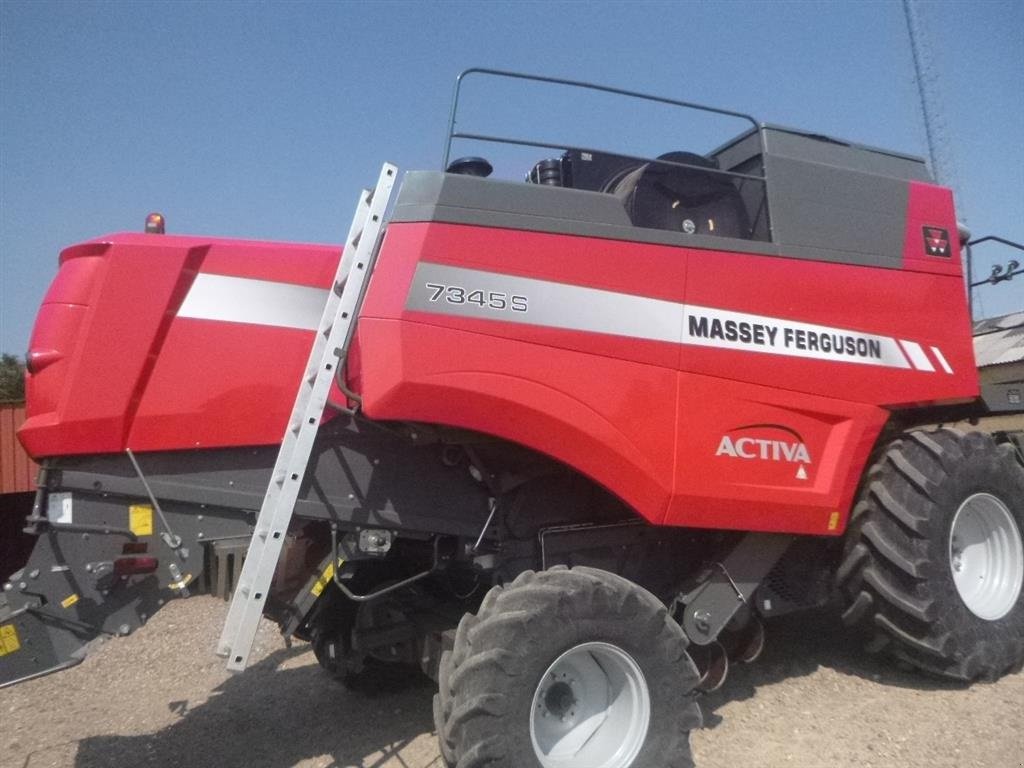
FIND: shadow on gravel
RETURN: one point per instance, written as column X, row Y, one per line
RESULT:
column 271, row 717
column 799, row 645
column 277, row 717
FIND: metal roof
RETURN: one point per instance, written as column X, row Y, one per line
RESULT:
column 999, row 340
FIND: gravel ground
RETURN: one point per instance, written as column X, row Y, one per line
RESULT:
column 161, row 698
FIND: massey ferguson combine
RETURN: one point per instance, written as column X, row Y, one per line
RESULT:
column 562, row 443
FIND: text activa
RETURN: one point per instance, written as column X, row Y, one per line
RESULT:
column 758, row 448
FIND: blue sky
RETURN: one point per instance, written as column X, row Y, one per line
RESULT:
column 263, row 120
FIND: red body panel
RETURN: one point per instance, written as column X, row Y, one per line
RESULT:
column 615, row 368
column 759, row 488
column 582, row 409
column 125, row 370
column 604, row 403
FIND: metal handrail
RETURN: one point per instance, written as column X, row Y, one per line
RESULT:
column 452, row 134
column 638, row 158
column 996, row 277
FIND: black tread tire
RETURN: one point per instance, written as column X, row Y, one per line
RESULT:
column 487, row 681
column 336, row 618
column 334, row 623
column 895, row 576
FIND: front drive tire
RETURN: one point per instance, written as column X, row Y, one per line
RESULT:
column 933, row 563
column 565, row 668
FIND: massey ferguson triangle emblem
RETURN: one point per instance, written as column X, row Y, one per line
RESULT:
column 936, row 241
column 766, row 449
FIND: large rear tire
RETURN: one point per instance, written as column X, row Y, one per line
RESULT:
column 575, row 668
column 933, row 564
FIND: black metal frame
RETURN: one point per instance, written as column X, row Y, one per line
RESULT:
column 995, row 277
column 374, row 594
column 453, row 134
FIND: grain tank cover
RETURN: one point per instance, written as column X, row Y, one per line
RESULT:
column 829, row 199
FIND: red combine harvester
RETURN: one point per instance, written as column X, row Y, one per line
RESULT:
column 563, row 444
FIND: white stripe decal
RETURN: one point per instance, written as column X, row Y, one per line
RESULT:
column 260, row 302
column 757, row 333
column 441, row 289
column 917, row 356
column 942, row 360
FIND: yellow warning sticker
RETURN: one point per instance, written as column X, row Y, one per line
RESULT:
column 833, row 521
column 140, row 519
column 9, row 642
column 68, row 601
column 324, row 580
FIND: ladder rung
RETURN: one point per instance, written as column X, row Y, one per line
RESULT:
column 336, row 325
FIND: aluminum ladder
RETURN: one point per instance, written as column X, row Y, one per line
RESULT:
column 330, row 346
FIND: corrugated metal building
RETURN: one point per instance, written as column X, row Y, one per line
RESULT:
column 17, row 470
column 999, row 348
column 999, row 353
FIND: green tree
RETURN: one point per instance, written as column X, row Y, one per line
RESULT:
column 12, row 379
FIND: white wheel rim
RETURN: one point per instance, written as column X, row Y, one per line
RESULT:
column 986, row 556
column 591, row 709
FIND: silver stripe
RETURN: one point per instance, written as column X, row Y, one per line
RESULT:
column 942, row 359
column 260, row 302
column 917, row 355
column 552, row 305
column 573, row 307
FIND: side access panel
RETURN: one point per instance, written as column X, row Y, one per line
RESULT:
column 632, row 361
column 556, row 374
column 757, row 458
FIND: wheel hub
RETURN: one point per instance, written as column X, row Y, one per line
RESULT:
column 559, row 700
column 591, row 709
column 986, row 556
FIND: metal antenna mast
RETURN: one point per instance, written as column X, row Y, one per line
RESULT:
column 924, row 76
column 934, row 126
